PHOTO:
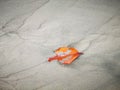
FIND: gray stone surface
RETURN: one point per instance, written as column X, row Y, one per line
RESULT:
column 31, row 29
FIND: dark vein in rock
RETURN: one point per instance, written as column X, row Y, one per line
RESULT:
column 12, row 19
column 23, row 70
column 7, row 83
column 32, row 14
column 37, row 88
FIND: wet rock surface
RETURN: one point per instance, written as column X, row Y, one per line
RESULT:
column 31, row 29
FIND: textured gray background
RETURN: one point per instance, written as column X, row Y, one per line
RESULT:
column 31, row 29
